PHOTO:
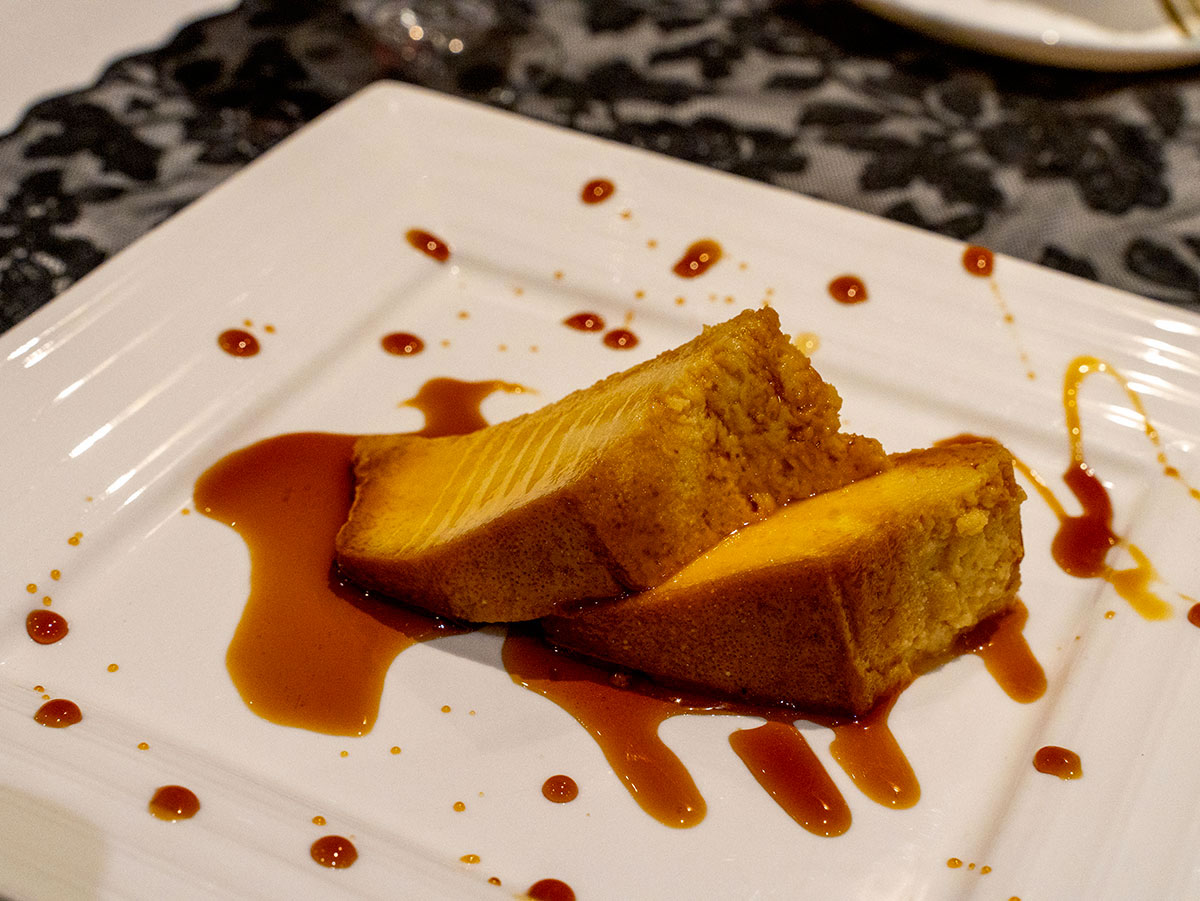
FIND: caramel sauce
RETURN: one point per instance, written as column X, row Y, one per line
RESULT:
column 238, row 343
column 174, row 802
column 58, row 714
column 430, row 245
column 620, row 339
column 451, row 407
column 402, row 344
column 550, row 890
column 1081, row 545
column 560, row 789
column 848, row 289
column 698, row 259
column 866, row 749
column 624, row 724
column 1059, row 762
column 311, row 650
column 978, row 261
column 585, row 322
column 1193, row 615
column 45, row 626
column 1000, row 642
column 334, row 851
column 786, row 767
column 597, row 190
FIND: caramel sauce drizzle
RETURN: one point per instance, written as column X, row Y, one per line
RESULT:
column 311, row 650
column 780, row 759
column 1000, row 643
column 866, row 749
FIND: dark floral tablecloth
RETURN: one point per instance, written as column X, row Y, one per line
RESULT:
column 1098, row 175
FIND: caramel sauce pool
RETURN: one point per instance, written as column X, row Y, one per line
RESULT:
column 238, row 343
column 58, row 713
column 430, row 245
column 310, row 650
column 698, row 259
column 848, row 289
column 174, row 802
column 1060, row 762
column 45, row 626
column 597, row 190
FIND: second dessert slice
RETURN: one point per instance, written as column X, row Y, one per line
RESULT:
column 836, row 599
column 611, row 489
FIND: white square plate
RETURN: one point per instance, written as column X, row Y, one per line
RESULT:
column 116, row 398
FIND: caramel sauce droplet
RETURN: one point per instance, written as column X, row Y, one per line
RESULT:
column 597, row 190
column 451, row 407
column 430, row 245
column 334, row 851
column 1058, row 762
column 954, row 863
column 585, row 322
column 848, row 289
column 785, row 766
column 560, row 789
column 402, row 344
column 978, row 261
column 550, row 890
column 238, row 343
column 698, row 259
column 174, row 802
column 46, row 626
column 1193, row 615
column 1000, row 642
column 58, row 714
column 620, row 339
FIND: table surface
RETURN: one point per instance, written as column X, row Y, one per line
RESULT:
column 1093, row 174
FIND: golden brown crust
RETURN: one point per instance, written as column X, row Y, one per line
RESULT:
column 843, row 603
column 612, row 488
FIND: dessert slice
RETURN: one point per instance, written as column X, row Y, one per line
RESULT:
column 612, row 488
column 834, row 600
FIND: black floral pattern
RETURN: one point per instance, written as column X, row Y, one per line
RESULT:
column 1095, row 175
